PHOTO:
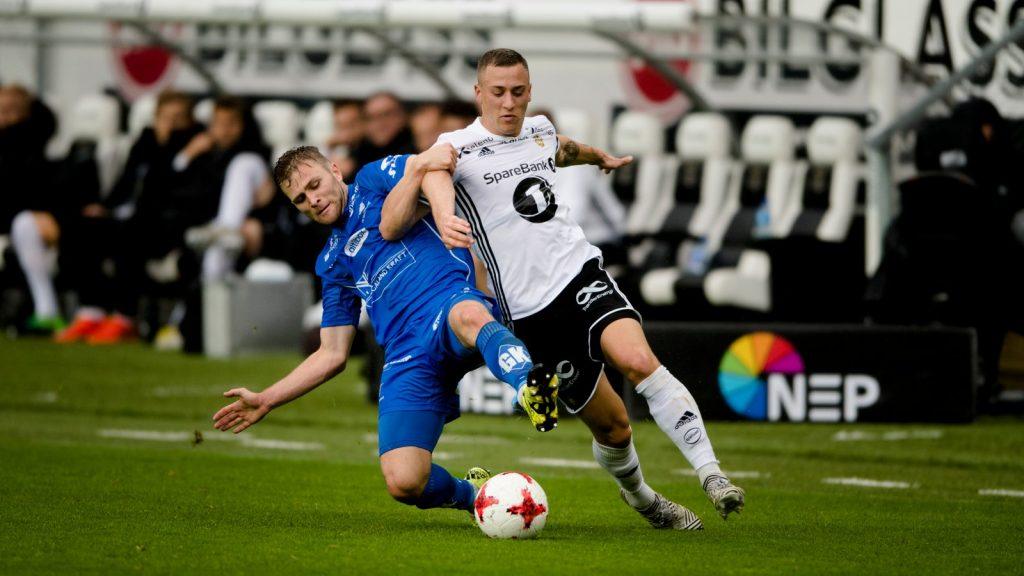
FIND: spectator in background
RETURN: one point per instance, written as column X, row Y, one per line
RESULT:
column 456, row 115
column 26, row 125
column 592, row 204
column 227, row 174
column 387, row 127
column 139, row 220
column 347, row 138
column 425, row 123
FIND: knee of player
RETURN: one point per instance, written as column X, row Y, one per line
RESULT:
column 637, row 363
column 405, row 488
column 468, row 317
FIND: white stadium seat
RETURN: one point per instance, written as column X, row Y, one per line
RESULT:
column 319, row 125
column 96, row 118
column 574, row 123
column 640, row 186
column 700, row 179
column 140, row 116
column 829, row 196
column 280, row 122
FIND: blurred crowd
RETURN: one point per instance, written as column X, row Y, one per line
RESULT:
column 193, row 203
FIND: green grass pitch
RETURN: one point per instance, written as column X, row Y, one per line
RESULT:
column 100, row 474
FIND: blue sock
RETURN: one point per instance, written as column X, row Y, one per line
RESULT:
column 505, row 355
column 445, row 491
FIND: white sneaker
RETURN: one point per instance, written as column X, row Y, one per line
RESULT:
column 666, row 514
column 726, row 497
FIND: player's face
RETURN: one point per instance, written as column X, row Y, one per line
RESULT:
column 226, row 128
column 318, row 192
column 503, row 93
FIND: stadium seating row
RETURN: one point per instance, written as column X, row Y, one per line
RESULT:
column 695, row 216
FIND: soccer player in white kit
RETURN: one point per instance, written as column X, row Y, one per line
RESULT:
column 552, row 290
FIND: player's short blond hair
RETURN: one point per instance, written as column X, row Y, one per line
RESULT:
column 290, row 160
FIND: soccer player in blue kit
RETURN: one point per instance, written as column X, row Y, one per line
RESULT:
column 429, row 317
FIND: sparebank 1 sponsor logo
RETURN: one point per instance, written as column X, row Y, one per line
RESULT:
column 763, row 377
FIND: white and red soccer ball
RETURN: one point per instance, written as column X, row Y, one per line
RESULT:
column 511, row 505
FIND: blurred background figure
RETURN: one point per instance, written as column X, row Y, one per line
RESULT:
column 387, row 127
column 227, row 170
column 345, row 146
column 425, row 123
column 456, row 115
column 139, row 220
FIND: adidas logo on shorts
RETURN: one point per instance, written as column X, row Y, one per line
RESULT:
column 686, row 419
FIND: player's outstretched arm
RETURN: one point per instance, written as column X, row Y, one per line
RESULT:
column 572, row 153
column 401, row 208
column 322, row 365
column 440, row 192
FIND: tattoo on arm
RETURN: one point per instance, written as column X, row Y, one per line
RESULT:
column 567, row 153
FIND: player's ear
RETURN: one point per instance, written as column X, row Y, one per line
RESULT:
column 336, row 172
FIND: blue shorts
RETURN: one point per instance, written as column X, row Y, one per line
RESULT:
column 422, row 368
column 419, row 428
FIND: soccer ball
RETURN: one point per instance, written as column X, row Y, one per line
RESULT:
column 511, row 505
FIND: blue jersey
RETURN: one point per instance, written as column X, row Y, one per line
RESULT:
column 401, row 282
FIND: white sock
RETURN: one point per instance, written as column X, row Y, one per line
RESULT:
column 624, row 465
column 35, row 258
column 676, row 413
column 245, row 173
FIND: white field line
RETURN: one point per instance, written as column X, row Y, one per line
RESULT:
column 1001, row 492
column 247, row 441
column 891, row 436
column 729, row 473
column 869, row 483
column 45, row 397
column 561, row 463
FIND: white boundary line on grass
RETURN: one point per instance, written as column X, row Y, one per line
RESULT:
column 890, row 436
column 1001, row 492
column 729, row 473
column 247, row 441
column 561, row 463
column 869, row 483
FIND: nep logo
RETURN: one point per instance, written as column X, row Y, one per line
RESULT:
column 763, row 377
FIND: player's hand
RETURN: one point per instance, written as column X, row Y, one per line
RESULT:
column 607, row 162
column 440, row 157
column 455, row 232
column 249, row 409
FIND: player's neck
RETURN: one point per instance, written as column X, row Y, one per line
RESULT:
column 494, row 129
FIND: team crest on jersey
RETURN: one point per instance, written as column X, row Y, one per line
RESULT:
column 538, row 140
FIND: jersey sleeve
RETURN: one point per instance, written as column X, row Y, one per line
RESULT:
column 341, row 305
column 383, row 175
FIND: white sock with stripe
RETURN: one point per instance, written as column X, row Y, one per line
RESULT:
column 624, row 465
column 676, row 413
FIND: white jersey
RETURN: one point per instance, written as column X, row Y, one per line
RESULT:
column 504, row 188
